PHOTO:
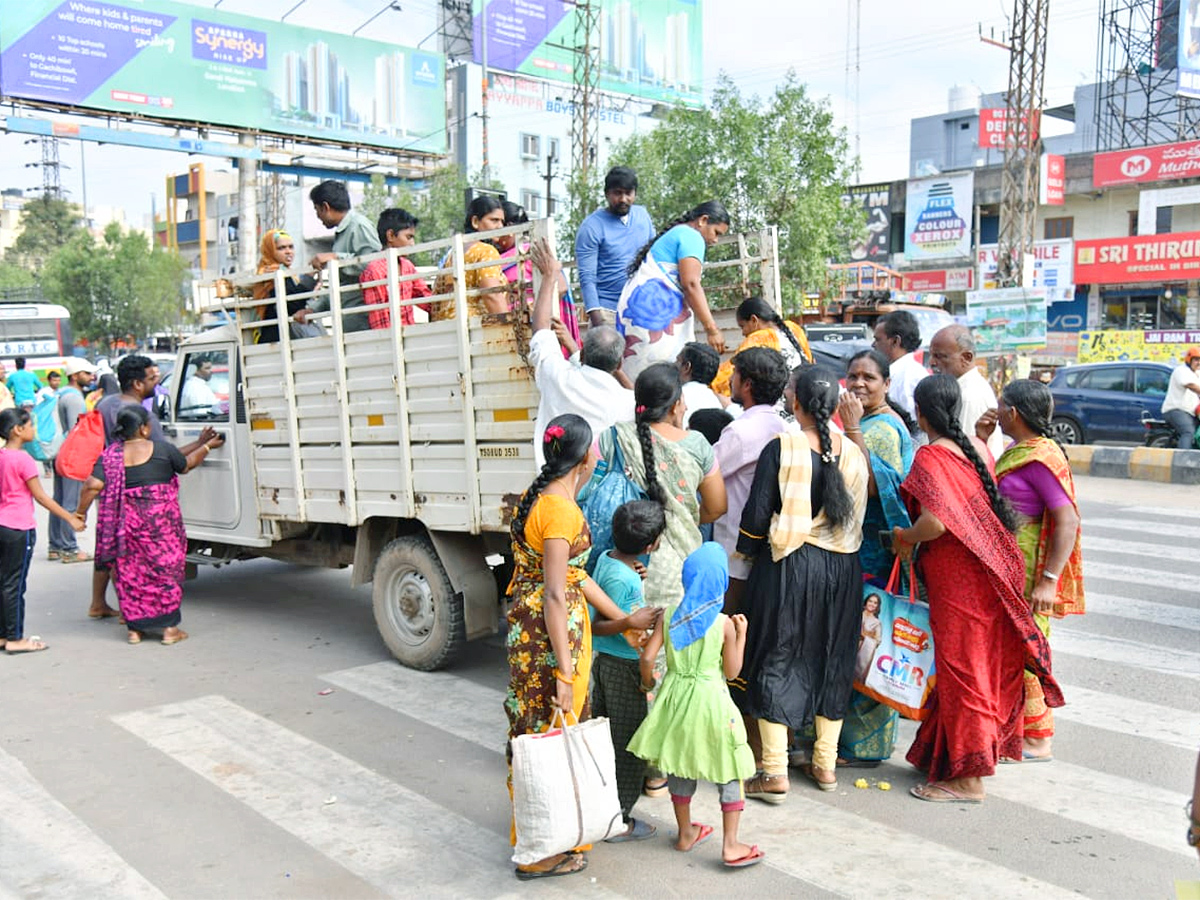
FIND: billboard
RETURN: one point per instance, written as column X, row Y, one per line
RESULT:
column 1113, row 346
column 937, row 218
column 1052, row 268
column 168, row 60
column 1151, row 257
column 1007, row 319
column 992, row 125
column 875, row 202
column 648, row 48
column 1164, row 162
column 1188, row 51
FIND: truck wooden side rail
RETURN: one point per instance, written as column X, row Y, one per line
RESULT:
column 399, row 450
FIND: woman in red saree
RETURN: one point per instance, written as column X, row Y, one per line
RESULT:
column 984, row 634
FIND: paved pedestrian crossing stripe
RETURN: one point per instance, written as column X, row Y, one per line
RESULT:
column 1169, row 614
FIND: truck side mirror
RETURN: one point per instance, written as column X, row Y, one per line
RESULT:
column 162, row 407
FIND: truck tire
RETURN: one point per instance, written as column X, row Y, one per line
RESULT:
column 417, row 611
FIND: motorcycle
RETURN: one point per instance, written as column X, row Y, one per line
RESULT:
column 1160, row 433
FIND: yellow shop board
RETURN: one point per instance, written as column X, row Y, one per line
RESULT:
column 1109, row 346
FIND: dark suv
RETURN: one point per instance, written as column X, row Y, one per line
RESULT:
column 1107, row 401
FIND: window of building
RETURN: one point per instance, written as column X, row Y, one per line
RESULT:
column 531, row 146
column 1054, row 229
column 1162, row 220
column 532, row 202
column 552, row 148
column 1133, row 217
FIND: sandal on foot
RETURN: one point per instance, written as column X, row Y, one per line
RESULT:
column 756, row 788
column 53, row 554
column 108, row 613
column 568, row 865
column 79, row 557
column 754, row 857
column 655, row 788
column 135, row 637
column 637, row 831
column 35, row 644
column 813, row 774
column 702, row 835
column 175, row 638
column 945, row 794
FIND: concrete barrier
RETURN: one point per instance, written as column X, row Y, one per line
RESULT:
column 1136, row 463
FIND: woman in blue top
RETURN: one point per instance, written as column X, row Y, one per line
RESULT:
column 663, row 298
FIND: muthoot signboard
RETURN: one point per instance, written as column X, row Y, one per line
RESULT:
column 165, row 60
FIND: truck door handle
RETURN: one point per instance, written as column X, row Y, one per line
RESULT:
column 170, row 430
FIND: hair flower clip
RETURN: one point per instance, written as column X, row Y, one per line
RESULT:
column 554, row 431
column 639, row 409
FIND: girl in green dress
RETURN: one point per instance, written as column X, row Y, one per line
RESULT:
column 694, row 731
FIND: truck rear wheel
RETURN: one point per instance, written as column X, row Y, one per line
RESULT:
column 417, row 610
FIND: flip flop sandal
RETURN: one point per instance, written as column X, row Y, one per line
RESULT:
column 1028, row 757
column 168, row 641
column 568, row 865
column 752, row 858
column 135, row 637
column 53, row 554
column 107, row 614
column 920, row 791
column 38, row 646
column 637, row 831
column 705, row 833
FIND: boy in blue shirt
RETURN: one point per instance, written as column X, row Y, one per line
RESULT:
column 616, row 678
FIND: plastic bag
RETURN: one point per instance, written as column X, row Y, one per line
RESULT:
column 895, row 663
column 564, row 789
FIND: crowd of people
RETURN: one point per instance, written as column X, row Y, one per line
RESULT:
column 733, row 658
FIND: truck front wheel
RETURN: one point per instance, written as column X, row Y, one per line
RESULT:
column 417, row 610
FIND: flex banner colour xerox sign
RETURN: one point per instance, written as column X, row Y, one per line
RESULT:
column 164, row 60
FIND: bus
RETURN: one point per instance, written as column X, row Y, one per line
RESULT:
column 40, row 332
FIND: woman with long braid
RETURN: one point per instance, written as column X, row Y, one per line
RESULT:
column 802, row 527
column 1035, row 477
column 762, row 326
column 984, row 634
column 550, row 636
column 663, row 298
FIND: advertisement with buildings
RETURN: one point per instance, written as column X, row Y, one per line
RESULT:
column 875, row 202
column 1113, row 346
column 648, row 48
column 1188, row 50
column 1052, row 268
column 937, row 218
column 1007, row 320
column 168, row 60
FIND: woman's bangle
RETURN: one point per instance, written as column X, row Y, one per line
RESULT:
column 644, row 688
column 1049, row 576
column 852, row 430
column 564, row 679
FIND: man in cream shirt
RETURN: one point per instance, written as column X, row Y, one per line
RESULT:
column 952, row 352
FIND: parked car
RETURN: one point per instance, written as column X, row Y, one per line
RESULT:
column 1107, row 401
column 837, row 331
column 836, row 354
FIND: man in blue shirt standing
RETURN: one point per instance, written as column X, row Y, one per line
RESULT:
column 606, row 243
column 23, row 384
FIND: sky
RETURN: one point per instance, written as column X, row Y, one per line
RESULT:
column 911, row 53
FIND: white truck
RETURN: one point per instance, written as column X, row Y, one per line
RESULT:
column 399, row 451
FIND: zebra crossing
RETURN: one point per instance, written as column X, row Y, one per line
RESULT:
column 1098, row 828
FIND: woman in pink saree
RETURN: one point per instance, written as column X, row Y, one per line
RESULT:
column 139, row 527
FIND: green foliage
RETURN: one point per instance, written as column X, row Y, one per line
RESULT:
column 775, row 162
column 47, row 224
column 376, row 198
column 14, row 277
column 120, row 285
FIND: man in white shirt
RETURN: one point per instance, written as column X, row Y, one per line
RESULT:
column 588, row 387
column 698, row 364
column 897, row 336
column 759, row 378
column 952, row 352
column 1183, row 396
column 198, row 397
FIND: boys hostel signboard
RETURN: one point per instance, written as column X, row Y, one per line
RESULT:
column 937, row 218
column 167, row 60
column 648, row 48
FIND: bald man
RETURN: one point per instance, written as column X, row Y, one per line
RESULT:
column 952, row 352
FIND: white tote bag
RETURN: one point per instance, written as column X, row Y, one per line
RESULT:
column 564, row 789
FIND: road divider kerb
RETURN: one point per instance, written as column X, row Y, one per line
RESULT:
column 1136, row 463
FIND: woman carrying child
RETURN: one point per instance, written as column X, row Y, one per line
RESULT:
column 694, row 731
column 20, row 485
column 550, row 635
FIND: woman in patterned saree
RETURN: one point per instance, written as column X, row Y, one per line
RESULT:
column 1035, row 477
column 139, row 529
column 983, row 631
column 550, row 635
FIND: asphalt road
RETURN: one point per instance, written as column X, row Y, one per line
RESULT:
column 280, row 753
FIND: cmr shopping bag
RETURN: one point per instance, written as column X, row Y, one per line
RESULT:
column 564, row 789
column 894, row 664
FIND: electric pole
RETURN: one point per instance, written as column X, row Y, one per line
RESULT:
column 585, row 75
column 1022, row 140
column 549, row 179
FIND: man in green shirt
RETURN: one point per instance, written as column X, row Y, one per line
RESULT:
column 353, row 236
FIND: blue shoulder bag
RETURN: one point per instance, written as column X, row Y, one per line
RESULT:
column 613, row 488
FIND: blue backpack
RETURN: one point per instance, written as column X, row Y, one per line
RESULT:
column 609, row 489
column 48, row 429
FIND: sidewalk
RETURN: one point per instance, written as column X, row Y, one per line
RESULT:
column 1136, row 463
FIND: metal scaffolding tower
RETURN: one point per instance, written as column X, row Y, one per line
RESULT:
column 1022, row 141
column 50, row 166
column 274, row 194
column 456, row 30
column 584, row 121
column 1136, row 102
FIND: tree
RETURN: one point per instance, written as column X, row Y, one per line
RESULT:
column 14, row 277
column 775, row 162
column 47, row 223
column 117, row 286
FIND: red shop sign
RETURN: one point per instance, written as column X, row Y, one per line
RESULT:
column 1152, row 257
column 1166, row 162
column 940, row 280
